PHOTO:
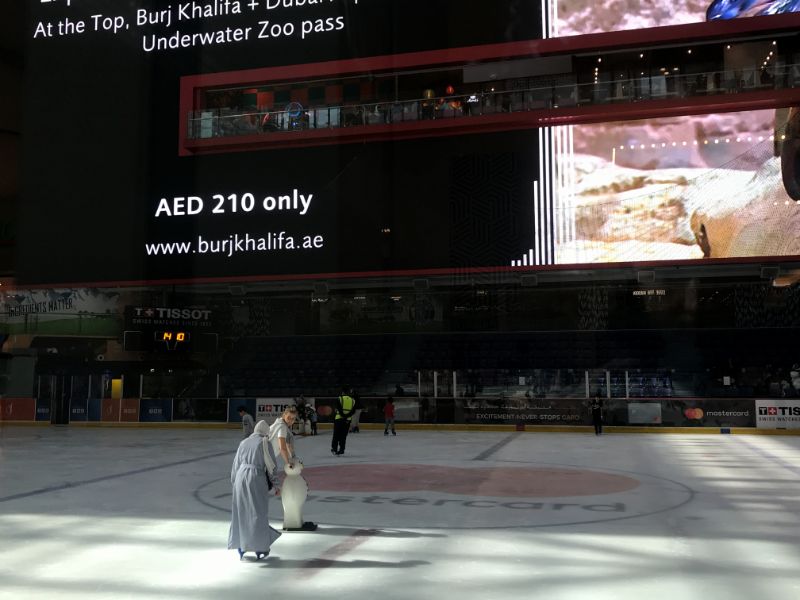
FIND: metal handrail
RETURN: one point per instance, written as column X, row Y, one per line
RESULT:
column 215, row 123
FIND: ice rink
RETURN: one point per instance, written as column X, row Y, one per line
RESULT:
column 143, row 513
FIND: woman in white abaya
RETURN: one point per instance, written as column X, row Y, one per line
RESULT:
column 253, row 482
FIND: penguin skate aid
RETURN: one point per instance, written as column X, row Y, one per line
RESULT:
column 293, row 495
column 294, row 490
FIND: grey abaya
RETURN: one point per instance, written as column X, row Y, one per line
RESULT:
column 250, row 530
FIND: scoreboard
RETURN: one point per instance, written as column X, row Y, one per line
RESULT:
column 169, row 329
column 172, row 341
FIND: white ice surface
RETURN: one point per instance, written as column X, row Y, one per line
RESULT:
column 138, row 513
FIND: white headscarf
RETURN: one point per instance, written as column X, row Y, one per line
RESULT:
column 261, row 428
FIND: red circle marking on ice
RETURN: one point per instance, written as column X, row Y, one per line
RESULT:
column 524, row 482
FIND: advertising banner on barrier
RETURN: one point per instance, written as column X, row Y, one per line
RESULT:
column 43, row 409
column 697, row 412
column 644, row 413
column 778, row 414
column 95, row 409
column 270, row 409
column 405, row 409
column 110, row 408
column 201, row 409
column 708, row 412
column 17, row 409
column 512, row 412
column 78, row 409
column 155, row 410
column 129, row 410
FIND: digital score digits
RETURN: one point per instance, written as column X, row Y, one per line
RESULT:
column 173, row 339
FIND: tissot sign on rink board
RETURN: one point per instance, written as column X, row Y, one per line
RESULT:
column 778, row 414
column 269, row 409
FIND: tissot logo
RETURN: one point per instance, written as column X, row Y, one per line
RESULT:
column 783, row 411
column 778, row 414
column 195, row 314
column 272, row 408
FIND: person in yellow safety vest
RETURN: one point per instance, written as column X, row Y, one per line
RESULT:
column 342, row 413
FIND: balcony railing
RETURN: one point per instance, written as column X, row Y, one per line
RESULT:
column 215, row 123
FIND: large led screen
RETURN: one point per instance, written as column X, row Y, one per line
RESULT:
column 579, row 17
column 679, row 188
column 107, row 198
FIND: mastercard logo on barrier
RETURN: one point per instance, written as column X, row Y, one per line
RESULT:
column 324, row 411
column 693, row 413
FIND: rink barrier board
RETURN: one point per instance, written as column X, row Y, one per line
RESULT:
column 326, row 427
column 136, row 412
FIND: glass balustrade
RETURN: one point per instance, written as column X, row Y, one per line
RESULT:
column 226, row 122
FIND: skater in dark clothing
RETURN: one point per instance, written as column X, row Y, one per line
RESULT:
column 597, row 415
